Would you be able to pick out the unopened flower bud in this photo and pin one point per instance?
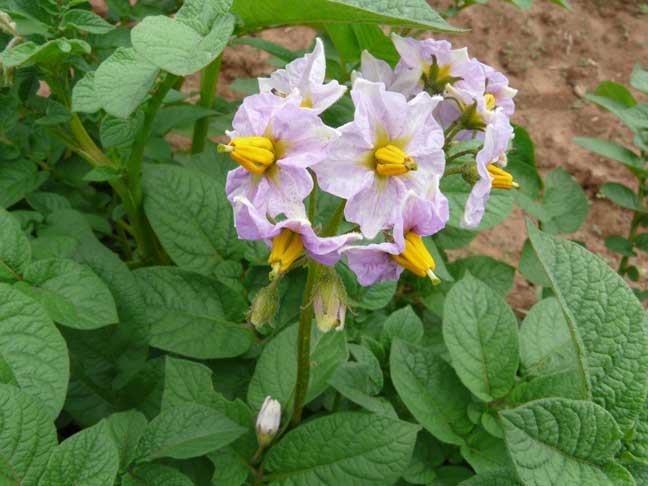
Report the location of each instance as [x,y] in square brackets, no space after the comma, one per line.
[264,305]
[268,421]
[330,302]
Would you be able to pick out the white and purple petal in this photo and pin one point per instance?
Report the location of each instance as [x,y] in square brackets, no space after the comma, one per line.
[374,263]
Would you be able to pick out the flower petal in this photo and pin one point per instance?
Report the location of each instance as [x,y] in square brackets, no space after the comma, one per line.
[373,263]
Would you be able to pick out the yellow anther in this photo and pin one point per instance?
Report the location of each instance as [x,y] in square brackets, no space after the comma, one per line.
[286,248]
[501,178]
[490,101]
[255,154]
[307,103]
[416,258]
[392,161]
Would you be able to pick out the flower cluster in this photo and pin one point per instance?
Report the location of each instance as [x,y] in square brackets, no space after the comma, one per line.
[386,164]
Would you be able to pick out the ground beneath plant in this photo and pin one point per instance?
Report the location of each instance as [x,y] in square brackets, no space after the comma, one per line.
[553,57]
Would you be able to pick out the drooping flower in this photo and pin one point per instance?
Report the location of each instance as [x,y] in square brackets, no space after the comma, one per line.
[305,76]
[498,92]
[380,262]
[288,239]
[268,421]
[274,141]
[329,301]
[498,134]
[391,147]
[435,65]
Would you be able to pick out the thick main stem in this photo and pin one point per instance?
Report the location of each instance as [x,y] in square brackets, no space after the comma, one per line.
[208,82]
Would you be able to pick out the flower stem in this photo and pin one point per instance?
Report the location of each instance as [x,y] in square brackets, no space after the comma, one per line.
[460,154]
[303,344]
[208,82]
[457,169]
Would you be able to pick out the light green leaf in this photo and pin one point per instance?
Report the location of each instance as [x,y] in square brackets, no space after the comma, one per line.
[72,294]
[480,331]
[123,81]
[176,47]
[126,428]
[344,448]
[403,324]
[192,315]
[191,216]
[84,97]
[15,252]
[33,349]
[639,79]
[27,437]
[565,203]
[494,273]
[88,457]
[155,475]
[406,13]
[486,453]
[622,196]
[530,266]
[103,173]
[17,179]
[276,369]
[522,164]
[200,14]
[85,21]
[52,52]
[637,445]
[431,390]
[186,431]
[606,321]
[119,132]
[612,151]
[562,442]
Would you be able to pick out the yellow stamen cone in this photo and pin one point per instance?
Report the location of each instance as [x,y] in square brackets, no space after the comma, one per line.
[392,161]
[255,154]
[490,101]
[416,258]
[501,178]
[286,248]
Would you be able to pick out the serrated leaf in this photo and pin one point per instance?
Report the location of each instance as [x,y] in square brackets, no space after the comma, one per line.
[15,252]
[155,475]
[562,442]
[191,216]
[72,294]
[17,179]
[176,47]
[349,448]
[85,21]
[605,319]
[84,97]
[276,369]
[88,457]
[126,428]
[27,437]
[431,391]
[186,431]
[192,315]
[123,81]
[480,331]
[33,349]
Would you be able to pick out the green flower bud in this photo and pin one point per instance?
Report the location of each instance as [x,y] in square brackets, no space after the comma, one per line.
[265,305]
[330,301]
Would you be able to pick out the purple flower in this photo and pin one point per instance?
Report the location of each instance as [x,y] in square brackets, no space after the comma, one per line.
[391,147]
[498,92]
[289,238]
[305,77]
[274,141]
[496,140]
[380,262]
[402,80]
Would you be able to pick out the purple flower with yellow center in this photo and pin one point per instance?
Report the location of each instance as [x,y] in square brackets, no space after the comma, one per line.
[391,147]
[488,169]
[379,262]
[305,76]
[434,65]
[274,141]
[498,92]
[288,239]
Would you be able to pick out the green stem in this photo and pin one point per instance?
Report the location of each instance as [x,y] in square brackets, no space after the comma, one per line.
[460,154]
[457,169]
[303,345]
[332,226]
[208,82]
[634,228]
[312,200]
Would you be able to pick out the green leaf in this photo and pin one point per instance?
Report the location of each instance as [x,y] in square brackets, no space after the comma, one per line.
[15,252]
[612,151]
[637,445]
[72,294]
[102,173]
[155,475]
[84,97]
[88,457]
[639,79]
[186,431]
[403,324]
[192,315]
[191,216]
[642,242]
[431,391]
[176,47]
[605,319]
[522,164]
[428,455]
[343,448]
[119,132]
[17,179]
[200,14]
[494,273]
[493,478]
[560,441]
[52,52]
[33,349]
[375,296]
[229,470]
[480,331]
[85,21]
[530,266]
[565,203]
[126,428]
[27,437]
[618,244]
[485,453]
[616,92]
[406,13]
[276,369]
[621,196]
[123,81]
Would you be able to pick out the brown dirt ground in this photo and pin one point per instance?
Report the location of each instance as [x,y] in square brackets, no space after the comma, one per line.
[553,57]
